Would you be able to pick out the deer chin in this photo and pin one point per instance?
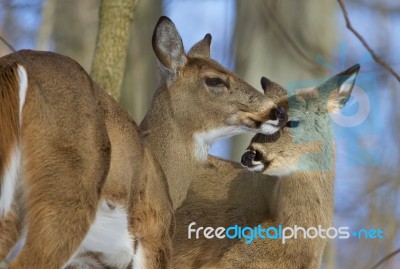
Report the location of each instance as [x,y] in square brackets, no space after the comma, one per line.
[280,172]
[255,166]
[258,124]
[204,139]
[277,169]
[270,165]
[269,127]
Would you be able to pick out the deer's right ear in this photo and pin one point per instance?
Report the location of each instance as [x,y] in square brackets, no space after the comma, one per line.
[337,90]
[167,44]
[202,48]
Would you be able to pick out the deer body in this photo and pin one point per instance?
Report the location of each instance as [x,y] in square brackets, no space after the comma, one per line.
[225,194]
[61,186]
[198,102]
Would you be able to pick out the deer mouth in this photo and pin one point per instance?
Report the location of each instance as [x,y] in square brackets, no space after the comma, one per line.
[275,120]
[253,161]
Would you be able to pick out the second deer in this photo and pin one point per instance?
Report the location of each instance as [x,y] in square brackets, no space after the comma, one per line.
[295,188]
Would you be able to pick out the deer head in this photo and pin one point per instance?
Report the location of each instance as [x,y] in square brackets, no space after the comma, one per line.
[203,99]
[305,143]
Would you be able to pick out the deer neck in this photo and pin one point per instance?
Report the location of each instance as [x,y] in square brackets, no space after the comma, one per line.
[304,199]
[175,148]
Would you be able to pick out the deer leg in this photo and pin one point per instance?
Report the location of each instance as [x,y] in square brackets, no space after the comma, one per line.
[153,224]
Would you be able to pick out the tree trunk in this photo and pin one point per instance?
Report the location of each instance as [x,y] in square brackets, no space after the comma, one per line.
[141,72]
[281,40]
[46,26]
[112,43]
[74,30]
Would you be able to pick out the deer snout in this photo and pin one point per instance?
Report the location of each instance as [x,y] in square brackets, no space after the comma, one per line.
[278,115]
[248,158]
[252,160]
[277,118]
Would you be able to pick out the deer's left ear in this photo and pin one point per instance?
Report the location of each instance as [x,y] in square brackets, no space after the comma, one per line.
[337,90]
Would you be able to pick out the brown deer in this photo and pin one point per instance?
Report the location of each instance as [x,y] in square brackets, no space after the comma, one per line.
[198,102]
[290,182]
[64,192]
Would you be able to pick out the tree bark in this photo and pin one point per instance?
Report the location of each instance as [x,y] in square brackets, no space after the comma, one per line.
[75,29]
[279,46]
[141,72]
[46,26]
[112,42]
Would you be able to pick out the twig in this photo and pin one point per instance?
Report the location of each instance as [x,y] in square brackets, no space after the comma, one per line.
[288,41]
[365,44]
[24,61]
[384,259]
[7,44]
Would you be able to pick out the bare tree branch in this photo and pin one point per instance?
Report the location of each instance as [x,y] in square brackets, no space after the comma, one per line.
[7,44]
[386,258]
[365,44]
[268,15]
[378,6]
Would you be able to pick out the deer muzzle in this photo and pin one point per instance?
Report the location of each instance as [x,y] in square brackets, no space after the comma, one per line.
[252,160]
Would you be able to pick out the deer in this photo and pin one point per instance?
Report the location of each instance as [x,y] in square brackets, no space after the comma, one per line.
[285,178]
[198,102]
[193,88]
[76,177]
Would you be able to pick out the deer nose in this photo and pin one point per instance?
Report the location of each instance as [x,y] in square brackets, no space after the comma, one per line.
[281,113]
[248,158]
[278,115]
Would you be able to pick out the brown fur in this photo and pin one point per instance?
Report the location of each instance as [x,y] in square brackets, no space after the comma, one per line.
[185,105]
[9,124]
[69,126]
[224,194]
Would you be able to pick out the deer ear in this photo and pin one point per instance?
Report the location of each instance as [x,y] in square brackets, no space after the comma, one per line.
[202,48]
[272,90]
[167,44]
[337,90]
[265,83]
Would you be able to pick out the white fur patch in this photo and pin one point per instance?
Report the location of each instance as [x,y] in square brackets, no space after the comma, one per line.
[204,140]
[257,166]
[109,235]
[139,261]
[281,171]
[23,87]
[347,85]
[269,127]
[11,174]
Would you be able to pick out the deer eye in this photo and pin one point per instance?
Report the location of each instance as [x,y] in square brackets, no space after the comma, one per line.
[292,124]
[216,82]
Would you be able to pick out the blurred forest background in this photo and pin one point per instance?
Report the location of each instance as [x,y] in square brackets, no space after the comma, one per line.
[290,42]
